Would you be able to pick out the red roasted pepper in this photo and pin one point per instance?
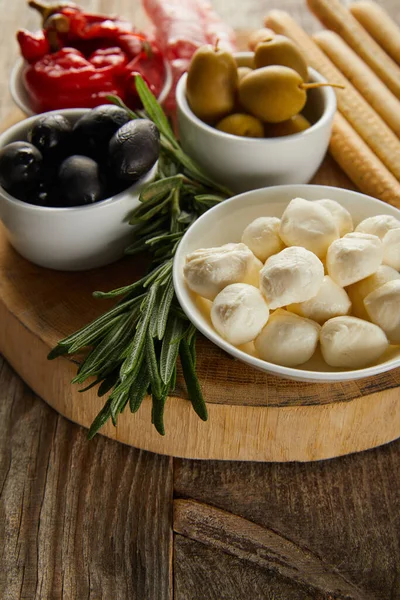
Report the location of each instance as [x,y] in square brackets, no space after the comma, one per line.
[34,45]
[66,79]
[79,58]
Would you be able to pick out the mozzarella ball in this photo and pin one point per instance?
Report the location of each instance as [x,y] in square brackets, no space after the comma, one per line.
[293,275]
[262,237]
[383,308]
[287,339]
[208,270]
[331,301]
[340,215]
[239,313]
[358,291]
[308,224]
[354,257]
[391,249]
[378,225]
[351,343]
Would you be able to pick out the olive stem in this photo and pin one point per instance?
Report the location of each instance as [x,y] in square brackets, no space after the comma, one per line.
[216,45]
[45,10]
[310,86]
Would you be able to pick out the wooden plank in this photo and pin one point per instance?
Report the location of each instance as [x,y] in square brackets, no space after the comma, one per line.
[345,511]
[205,573]
[260,546]
[78,519]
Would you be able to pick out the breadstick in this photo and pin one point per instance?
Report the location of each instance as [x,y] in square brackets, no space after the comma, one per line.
[361,165]
[357,111]
[259,36]
[337,17]
[362,77]
[379,25]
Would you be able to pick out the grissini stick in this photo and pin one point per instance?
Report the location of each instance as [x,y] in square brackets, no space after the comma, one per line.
[362,77]
[379,25]
[361,165]
[334,15]
[259,36]
[351,104]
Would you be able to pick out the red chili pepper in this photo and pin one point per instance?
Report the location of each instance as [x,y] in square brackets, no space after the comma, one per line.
[67,79]
[33,45]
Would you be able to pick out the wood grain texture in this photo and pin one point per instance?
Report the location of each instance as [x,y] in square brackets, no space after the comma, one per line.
[345,511]
[260,546]
[205,573]
[78,519]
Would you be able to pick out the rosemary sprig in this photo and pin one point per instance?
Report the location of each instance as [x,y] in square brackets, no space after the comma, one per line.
[132,349]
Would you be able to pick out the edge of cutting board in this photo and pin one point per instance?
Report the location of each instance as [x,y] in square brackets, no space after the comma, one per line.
[233,432]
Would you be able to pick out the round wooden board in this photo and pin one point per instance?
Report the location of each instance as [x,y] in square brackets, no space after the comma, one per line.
[252,416]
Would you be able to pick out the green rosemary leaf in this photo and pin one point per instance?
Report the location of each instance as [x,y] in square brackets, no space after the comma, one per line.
[172,383]
[146,216]
[209,198]
[87,340]
[108,383]
[100,420]
[139,388]
[57,351]
[96,324]
[158,412]
[151,226]
[170,348]
[161,186]
[120,291]
[152,365]
[192,382]
[138,342]
[192,348]
[154,110]
[165,305]
[116,100]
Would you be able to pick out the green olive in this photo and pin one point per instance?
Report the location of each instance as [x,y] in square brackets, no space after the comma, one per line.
[272,94]
[243,71]
[296,124]
[280,50]
[212,84]
[242,124]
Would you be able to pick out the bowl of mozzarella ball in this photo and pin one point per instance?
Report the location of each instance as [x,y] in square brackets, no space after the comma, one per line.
[301,281]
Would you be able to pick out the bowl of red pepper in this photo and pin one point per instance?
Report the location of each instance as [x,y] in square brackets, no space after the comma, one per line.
[78,59]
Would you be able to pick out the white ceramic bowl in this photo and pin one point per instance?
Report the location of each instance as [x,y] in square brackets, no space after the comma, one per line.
[226,222]
[248,163]
[21,98]
[68,239]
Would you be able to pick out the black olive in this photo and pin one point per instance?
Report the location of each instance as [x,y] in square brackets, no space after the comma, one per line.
[51,134]
[134,149]
[20,165]
[80,181]
[94,129]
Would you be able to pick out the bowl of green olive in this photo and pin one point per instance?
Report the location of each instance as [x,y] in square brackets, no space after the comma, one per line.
[255,119]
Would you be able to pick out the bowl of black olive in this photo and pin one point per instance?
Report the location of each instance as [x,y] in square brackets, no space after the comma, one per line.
[69,180]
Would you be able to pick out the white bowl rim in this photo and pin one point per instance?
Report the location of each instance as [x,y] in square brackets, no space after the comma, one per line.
[20,65]
[286,372]
[66,112]
[325,118]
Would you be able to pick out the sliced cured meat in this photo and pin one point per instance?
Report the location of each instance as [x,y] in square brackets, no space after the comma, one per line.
[179,66]
[215,29]
[180,28]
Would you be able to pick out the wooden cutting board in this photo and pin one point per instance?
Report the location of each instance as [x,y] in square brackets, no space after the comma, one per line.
[252,416]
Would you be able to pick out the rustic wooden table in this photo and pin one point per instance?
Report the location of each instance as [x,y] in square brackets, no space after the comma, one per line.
[101,520]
